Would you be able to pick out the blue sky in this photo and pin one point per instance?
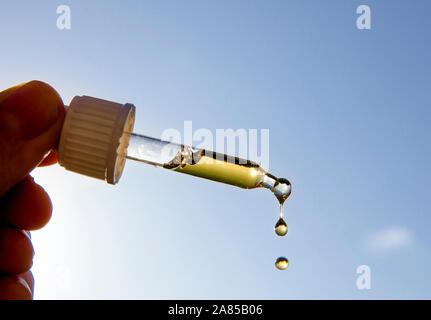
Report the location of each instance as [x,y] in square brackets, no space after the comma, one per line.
[348,112]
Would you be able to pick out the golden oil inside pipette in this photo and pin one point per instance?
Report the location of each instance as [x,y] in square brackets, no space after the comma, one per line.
[228,169]
[218,167]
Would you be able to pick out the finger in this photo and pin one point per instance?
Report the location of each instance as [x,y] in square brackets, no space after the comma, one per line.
[30,122]
[14,288]
[26,206]
[16,251]
[8,92]
[29,279]
[51,158]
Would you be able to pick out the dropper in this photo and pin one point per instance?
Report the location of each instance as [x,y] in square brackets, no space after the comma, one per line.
[97,138]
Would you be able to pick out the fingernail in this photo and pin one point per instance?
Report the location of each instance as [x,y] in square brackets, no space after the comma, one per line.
[29,279]
[30,109]
[28,234]
[29,293]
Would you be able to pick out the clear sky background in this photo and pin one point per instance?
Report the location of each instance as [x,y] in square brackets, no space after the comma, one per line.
[348,112]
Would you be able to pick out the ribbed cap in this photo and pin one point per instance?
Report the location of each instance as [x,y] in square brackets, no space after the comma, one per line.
[95,137]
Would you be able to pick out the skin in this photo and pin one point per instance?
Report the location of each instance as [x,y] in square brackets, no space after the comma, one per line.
[31,116]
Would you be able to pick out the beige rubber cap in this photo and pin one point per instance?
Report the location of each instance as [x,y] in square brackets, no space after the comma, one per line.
[95,137]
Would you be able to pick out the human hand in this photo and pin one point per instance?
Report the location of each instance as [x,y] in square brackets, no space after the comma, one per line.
[31,116]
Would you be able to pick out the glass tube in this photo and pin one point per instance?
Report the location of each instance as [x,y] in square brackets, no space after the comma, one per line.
[205,164]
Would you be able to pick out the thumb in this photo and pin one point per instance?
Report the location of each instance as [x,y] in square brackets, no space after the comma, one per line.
[31,116]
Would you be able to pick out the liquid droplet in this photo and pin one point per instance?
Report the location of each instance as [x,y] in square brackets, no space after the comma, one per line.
[279,186]
[282,263]
[282,190]
[280,228]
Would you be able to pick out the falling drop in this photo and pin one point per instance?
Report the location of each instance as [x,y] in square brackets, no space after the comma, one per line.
[280,228]
[282,189]
[282,263]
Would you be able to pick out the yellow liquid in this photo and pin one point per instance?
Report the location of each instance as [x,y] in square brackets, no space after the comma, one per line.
[227,170]
[280,228]
[282,263]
